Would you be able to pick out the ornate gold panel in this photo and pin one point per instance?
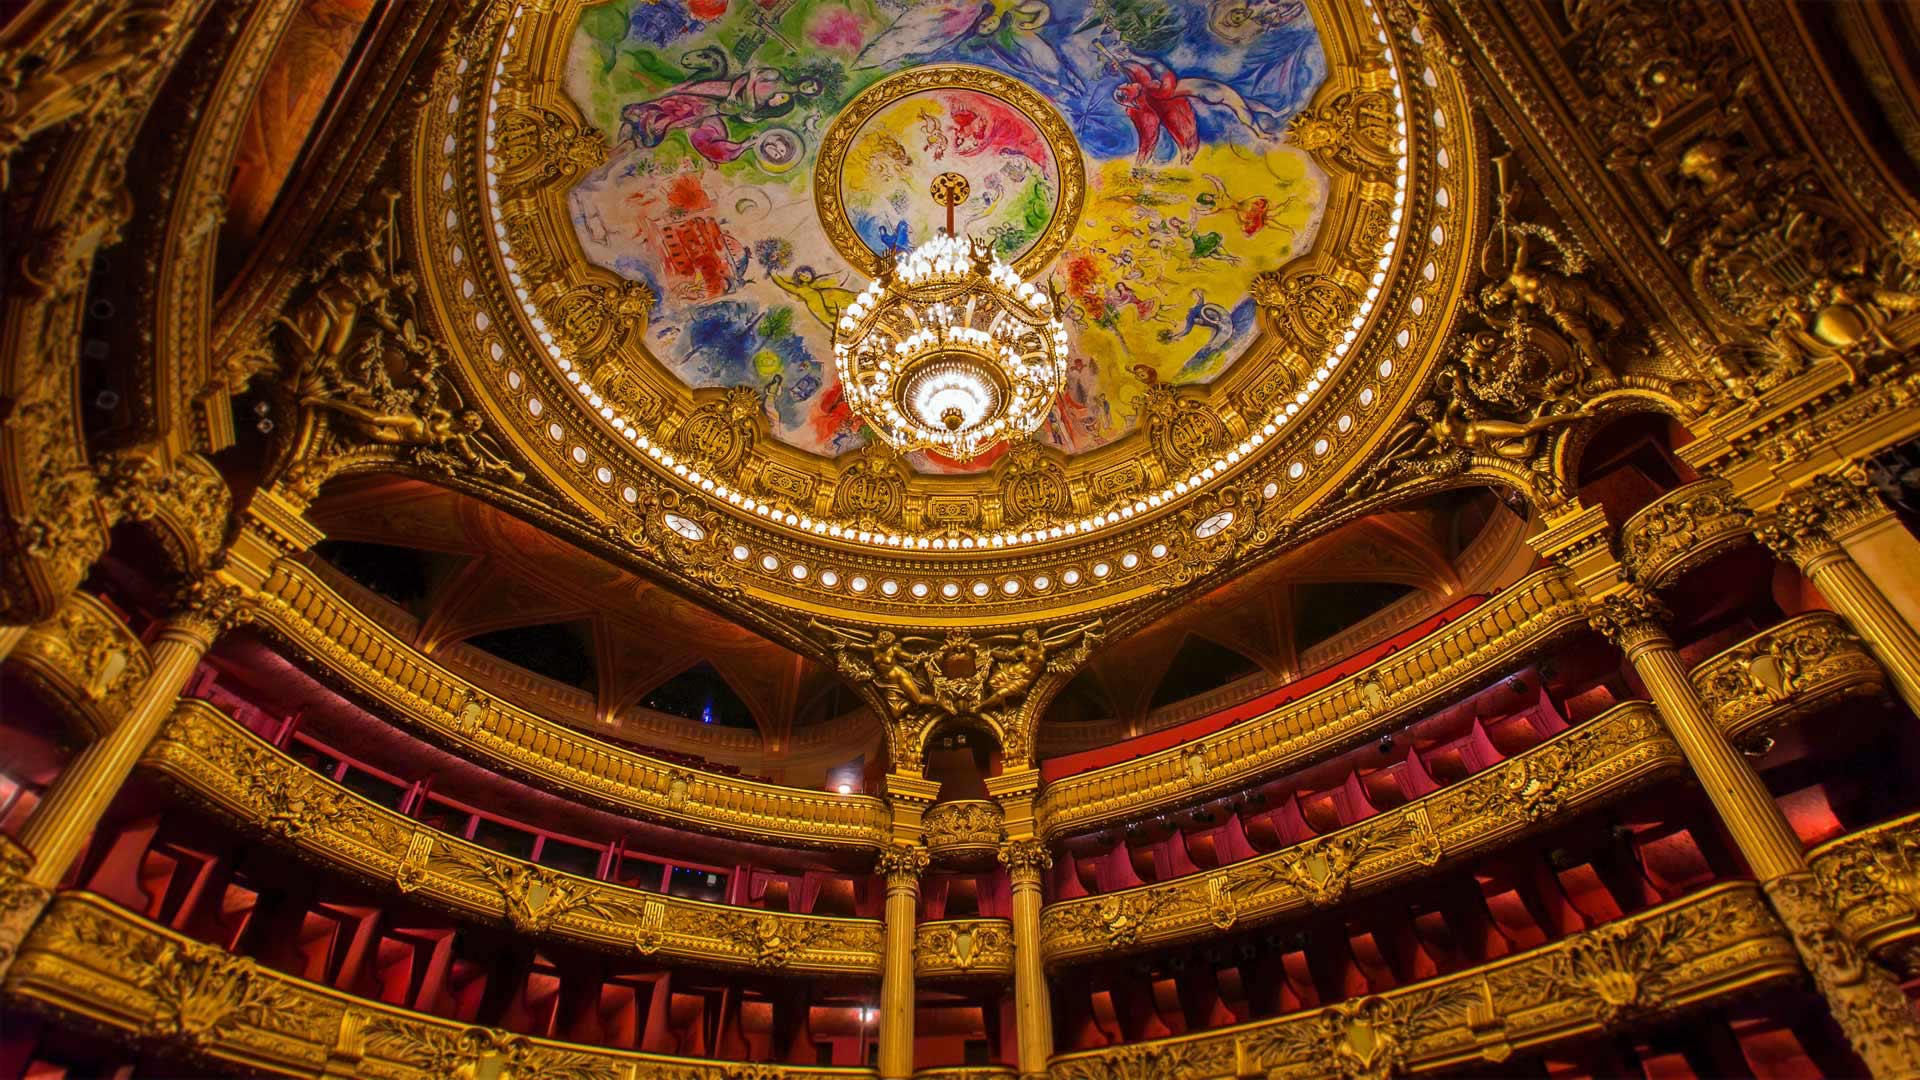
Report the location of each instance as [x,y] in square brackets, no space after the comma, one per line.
[956,947]
[1596,761]
[89,662]
[218,760]
[1801,664]
[95,962]
[1709,946]
[299,607]
[1683,529]
[1873,878]
[1520,620]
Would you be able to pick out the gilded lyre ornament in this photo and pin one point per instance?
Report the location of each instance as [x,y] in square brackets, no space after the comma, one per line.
[347,344]
[717,435]
[921,682]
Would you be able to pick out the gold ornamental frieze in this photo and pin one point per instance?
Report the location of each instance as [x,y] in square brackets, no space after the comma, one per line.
[1519,621]
[86,659]
[552,350]
[1710,946]
[91,961]
[1791,669]
[1682,529]
[411,688]
[1597,761]
[219,761]
[1872,879]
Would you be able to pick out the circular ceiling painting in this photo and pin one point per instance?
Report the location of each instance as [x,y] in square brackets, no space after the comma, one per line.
[1134,149]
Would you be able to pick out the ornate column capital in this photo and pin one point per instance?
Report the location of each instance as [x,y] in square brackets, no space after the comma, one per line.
[1025,860]
[1807,525]
[208,607]
[1864,997]
[901,865]
[1631,617]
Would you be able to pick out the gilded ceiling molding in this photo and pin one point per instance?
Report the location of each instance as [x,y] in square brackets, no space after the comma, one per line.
[411,688]
[80,76]
[1711,946]
[218,761]
[91,961]
[1581,767]
[1005,575]
[1682,529]
[1872,878]
[86,662]
[1515,623]
[1788,671]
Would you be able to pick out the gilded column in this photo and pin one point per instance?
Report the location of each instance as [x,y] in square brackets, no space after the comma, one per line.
[901,865]
[1808,528]
[1026,861]
[1865,999]
[59,826]
[9,637]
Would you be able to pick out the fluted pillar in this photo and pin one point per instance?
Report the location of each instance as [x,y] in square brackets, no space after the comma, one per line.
[901,867]
[1809,527]
[10,636]
[1026,861]
[1864,998]
[56,832]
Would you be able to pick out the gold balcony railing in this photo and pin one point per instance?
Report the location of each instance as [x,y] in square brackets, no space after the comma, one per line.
[1709,946]
[1519,621]
[1598,760]
[1683,529]
[91,961]
[1873,878]
[372,661]
[86,660]
[962,947]
[217,760]
[1792,668]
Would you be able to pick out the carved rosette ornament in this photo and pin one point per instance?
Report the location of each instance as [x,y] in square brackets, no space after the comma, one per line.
[1866,1001]
[1806,526]
[1631,618]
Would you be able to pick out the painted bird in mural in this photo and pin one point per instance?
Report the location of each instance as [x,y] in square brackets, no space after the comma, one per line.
[1009,29]
[823,296]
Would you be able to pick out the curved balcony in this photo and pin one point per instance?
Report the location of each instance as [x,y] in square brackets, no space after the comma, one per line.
[1714,944]
[87,660]
[1874,878]
[1598,760]
[1795,667]
[1497,634]
[1682,529]
[952,948]
[357,652]
[93,961]
[963,832]
[216,759]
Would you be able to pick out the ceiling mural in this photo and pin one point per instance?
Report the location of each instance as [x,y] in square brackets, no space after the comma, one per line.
[761,154]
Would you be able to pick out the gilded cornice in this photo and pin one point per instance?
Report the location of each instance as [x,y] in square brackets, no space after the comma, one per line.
[1682,529]
[1144,542]
[1516,622]
[1872,878]
[1596,761]
[963,947]
[357,652]
[91,961]
[216,759]
[1799,665]
[1705,947]
[87,660]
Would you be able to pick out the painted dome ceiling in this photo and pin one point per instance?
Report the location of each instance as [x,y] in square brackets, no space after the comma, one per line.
[761,154]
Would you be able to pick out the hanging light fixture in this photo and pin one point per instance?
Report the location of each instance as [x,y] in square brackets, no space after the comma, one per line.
[950,350]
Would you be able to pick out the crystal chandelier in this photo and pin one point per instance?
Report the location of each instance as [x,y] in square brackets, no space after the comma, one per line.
[950,350]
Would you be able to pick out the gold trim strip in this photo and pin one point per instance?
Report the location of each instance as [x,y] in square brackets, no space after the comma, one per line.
[90,960]
[1683,529]
[1516,622]
[1786,671]
[218,760]
[300,608]
[1715,943]
[1873,877]
[1598,760]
